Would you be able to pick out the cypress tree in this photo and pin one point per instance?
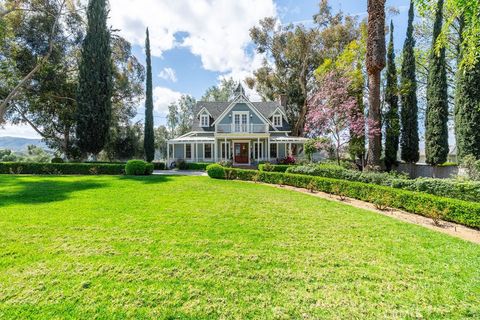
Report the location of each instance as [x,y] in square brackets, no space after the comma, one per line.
[149,138]
[436,119]
[94,105]
[408,88]
[467,115]
[392,119]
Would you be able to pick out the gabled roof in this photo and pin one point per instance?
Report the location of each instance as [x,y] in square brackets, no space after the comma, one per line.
[266,109]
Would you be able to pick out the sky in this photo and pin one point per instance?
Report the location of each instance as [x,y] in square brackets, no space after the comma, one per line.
[196,43]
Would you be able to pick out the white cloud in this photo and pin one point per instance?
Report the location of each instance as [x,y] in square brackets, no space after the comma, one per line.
[22,131]
[163,97]
[168,74]
[215,30]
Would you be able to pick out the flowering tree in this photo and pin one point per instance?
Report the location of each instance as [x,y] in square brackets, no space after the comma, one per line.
[334,112]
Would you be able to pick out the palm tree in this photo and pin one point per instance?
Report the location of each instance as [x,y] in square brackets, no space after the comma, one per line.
[375,63]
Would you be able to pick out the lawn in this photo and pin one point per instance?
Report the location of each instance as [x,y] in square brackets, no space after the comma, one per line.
[198,248]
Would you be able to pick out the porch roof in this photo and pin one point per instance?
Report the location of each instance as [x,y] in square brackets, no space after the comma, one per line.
[188,139]
[288,139]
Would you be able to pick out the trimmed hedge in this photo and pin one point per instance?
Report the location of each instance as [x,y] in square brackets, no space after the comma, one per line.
[462,190]
[216,171]
[274,167]
[138,168]
[202,166]
[61,168]
[458,211]
[159,165]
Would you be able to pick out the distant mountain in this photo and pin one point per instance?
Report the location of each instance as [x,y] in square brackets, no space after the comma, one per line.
[20,144]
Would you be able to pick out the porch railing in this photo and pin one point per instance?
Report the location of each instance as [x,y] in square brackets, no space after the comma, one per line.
[242,128]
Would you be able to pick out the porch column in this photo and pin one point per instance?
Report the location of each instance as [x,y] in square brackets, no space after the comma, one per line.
[215,150]
[168,155]
[268,149]
[225,158]
[289,149]
[258,149]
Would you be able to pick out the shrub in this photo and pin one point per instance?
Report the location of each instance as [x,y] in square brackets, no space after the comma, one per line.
[159,165]
[202,166]
[268,167]
[216,171]
[458,211]
[288,160]
[472,167]
[57,160]
[61,168]
[138,168]
[180,164]
[226,163]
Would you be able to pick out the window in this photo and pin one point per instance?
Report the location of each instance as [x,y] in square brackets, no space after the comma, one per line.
[225,150]
[207,151]
[204,120]
[273,150]
[240,120]
[258,150]
[277,120]
[188,151]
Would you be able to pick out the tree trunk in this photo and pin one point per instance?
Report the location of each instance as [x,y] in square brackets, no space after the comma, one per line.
[374,115]
[299,126]
[375,61]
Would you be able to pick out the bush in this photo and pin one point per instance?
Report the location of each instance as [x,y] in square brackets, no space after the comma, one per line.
[458,211]
[216,171]
[57,160]
[288,160]
[273,167]
[201,166]
[159,165]
[61,168]
[138,168]
[472,167]
[181,164]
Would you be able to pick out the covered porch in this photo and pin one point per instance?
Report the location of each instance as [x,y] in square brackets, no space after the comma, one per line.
[239,150]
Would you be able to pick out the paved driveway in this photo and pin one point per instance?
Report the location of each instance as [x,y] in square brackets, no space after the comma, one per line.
[179,173]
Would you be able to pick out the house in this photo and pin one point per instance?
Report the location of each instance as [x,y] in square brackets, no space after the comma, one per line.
[240,131]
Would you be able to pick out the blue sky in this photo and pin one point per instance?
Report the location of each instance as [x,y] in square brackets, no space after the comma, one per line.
[197,42]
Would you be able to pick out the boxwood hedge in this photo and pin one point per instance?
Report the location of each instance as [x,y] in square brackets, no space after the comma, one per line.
[453,210]
[274,167]
[61,168]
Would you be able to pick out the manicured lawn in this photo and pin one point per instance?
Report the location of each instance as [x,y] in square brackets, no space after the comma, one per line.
[193,247]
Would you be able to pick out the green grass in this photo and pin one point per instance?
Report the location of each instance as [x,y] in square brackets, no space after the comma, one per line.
[194,247]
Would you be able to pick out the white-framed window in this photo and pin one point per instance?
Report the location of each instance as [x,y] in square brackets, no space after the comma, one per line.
[225,150]
[207,151]
[258,150]
[273,150]
[188,151]
[241,121]
[204,120]
[277,120]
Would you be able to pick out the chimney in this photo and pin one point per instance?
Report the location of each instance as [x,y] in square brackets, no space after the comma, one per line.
[283,100]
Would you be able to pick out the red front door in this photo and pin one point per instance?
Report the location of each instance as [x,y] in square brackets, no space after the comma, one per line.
[241,153]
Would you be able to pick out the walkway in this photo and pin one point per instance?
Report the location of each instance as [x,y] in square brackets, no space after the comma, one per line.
[180,173]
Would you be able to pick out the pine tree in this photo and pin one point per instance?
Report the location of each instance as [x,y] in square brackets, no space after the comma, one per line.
[149,139]
[392,120]
[408,88]
[436,119]
[94,105]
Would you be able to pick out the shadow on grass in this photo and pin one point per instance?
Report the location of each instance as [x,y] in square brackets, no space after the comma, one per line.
[42,191]
[147,179]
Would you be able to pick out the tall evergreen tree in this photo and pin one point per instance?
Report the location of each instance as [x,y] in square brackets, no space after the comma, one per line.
[149,140]
[94,96]
[467,110]
[408,88]
[436,119]
[392,119]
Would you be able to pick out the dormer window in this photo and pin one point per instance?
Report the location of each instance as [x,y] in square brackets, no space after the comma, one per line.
[277,120]
[205,120]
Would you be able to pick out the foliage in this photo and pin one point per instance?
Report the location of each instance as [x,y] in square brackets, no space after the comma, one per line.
[138,168]
[458,211]
[226,163]
[467,111]
[180,115]
[274,167]
[159,165]
[61,168]
[472,167]
[392,120]
[293,53]
[436,119]
[94,105]
[289,160]
[161,137]
[149,138]
[216,171]
[181,164]
[125,142]
[57,160]
[199,166]
[408,95]
[225,91]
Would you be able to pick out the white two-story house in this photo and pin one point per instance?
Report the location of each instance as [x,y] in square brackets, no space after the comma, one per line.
[240,131]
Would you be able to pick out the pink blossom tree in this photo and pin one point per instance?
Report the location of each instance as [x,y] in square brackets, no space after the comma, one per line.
[333,112]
